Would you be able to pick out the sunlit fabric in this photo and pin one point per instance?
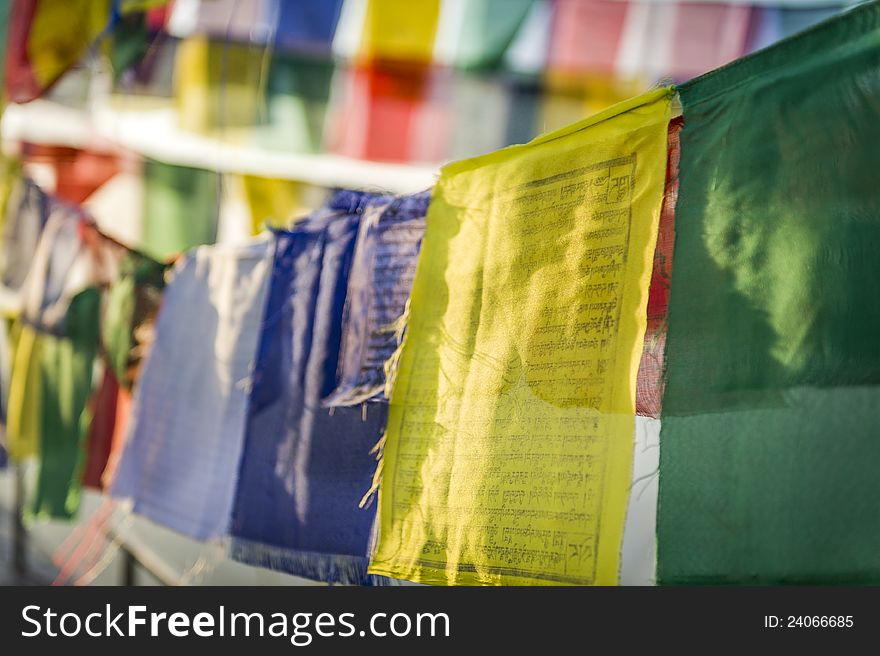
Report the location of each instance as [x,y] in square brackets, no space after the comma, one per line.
[70,257]
[304,468]
[769,440]
[61,301]
[306,26]
[386,254]
[187,421]
[380,116]
[297,97]
[586,34]
[475,34]
[180,208]
[25,394]
[511,420]
[235,20]
[272,202]
[78,173]
[400,30]
[45,38]
[219,86]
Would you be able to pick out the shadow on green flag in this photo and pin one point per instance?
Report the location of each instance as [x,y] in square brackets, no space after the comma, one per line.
[769,441]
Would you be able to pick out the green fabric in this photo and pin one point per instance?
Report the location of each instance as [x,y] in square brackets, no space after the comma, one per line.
[487,29]
[132,301]
[66,365]
[297,93]
[129,43]
[180,208]
[769,443]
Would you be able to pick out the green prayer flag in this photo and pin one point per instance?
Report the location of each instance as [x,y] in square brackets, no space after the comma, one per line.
[769,440]
[487,29]
[180,208]
[66,364]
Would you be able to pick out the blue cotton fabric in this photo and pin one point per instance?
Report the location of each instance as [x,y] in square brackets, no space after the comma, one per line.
[306,26]
[379,287]
[305,468]
[189,408]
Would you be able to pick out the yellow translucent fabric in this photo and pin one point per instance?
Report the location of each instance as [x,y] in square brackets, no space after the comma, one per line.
[219,86]
[25,394]
[509,446]
[400,29]
[61,32]
[273,202]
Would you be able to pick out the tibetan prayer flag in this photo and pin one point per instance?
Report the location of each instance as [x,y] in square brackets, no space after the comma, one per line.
[586,35]
[28,211]
[25,394]
[45,38]
[769,444]
[104,404]
[62,301]
[379,285]
[649,387]
[66,363]
[297,94]
[117,441]
[234,20]
[180,208]
[400,30]
[187,420]
[273,202]
[304,468]
[511,424]
[475,34]
[380,116]
[133,300]
[480,107]
[219,86]
[77,173]
[306,26]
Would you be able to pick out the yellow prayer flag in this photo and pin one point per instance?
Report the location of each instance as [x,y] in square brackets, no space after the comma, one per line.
[219,86]
[25,395]
[400,29]
[60,34]
[273,202]
[510,434]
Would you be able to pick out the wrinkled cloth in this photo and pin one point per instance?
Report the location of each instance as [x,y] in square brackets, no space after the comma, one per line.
[46,38]
[386,254]
[304,468]
[769,444]
[649,385]
[70,257]
[65,371]
[28,211]
[133,300]
[187,421]
[508,452]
